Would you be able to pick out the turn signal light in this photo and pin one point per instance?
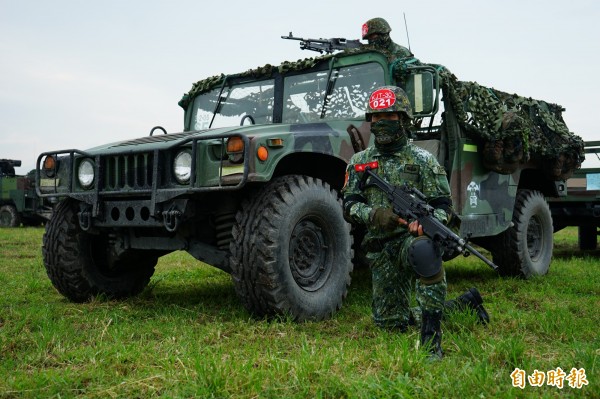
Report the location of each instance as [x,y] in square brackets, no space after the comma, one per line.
[262,153]
[49,165]
[275,143]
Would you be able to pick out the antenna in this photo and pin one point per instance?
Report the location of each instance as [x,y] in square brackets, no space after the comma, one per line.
[406,26]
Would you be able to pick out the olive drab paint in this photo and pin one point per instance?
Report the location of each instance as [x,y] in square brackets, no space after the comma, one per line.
[19,202]
[488,146]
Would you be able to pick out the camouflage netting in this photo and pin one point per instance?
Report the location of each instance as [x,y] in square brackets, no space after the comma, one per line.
[266,71]
[512,129]
[201,87]
[515,129]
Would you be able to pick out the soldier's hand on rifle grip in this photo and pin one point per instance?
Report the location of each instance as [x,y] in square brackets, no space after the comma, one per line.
[415,228]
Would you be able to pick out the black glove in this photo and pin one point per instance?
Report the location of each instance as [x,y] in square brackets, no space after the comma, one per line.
[384,219]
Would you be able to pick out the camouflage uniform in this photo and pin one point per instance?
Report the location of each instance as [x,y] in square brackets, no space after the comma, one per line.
[393,277]
[381,27]
[397,252]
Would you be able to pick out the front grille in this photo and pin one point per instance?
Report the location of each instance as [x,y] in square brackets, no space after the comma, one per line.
[131,171]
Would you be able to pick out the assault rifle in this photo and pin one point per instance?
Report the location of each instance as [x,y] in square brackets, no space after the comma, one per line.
[324,45]
[410,204]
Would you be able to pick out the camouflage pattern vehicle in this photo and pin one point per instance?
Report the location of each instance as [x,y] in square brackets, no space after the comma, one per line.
[19,202]
[252,186]
[580,204]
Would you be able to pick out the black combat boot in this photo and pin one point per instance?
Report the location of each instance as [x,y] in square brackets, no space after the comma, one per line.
[469,300]
[431,334]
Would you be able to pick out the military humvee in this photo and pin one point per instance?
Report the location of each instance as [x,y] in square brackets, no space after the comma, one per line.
[251,186]
[580,206]
[19,202]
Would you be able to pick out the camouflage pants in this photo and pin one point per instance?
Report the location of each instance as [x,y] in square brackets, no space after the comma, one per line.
[393,283]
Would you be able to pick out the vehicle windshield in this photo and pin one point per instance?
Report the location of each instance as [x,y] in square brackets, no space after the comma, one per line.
[308,97]
[254,99]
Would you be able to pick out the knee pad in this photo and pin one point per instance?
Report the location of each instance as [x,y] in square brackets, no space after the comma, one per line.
[425,257]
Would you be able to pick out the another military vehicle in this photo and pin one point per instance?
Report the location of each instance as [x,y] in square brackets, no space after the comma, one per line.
[19,202]
[581,205]
[251,186]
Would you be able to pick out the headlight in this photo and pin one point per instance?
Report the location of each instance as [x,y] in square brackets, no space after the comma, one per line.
[182,167]
[85,173]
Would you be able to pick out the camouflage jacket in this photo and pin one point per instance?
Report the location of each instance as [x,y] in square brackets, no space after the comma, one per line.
[399,51]
[411,165]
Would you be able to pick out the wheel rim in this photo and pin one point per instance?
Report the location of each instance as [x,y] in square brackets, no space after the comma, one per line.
[309,257]
[535,238]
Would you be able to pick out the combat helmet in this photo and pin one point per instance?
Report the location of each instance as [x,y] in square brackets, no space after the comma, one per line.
[375,25]
[388,99]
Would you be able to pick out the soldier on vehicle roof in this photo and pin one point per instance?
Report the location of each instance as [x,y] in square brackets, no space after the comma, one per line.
[397,249]
[377,32]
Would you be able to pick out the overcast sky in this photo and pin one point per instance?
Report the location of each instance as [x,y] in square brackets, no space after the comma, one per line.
[76,74]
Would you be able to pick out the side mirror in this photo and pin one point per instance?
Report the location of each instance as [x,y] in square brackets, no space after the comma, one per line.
[422,93]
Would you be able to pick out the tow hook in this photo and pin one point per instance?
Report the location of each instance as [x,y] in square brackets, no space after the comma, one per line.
[171,219]
[85,219]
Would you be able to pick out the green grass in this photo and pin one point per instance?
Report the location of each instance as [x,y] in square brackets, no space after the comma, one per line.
[188,336]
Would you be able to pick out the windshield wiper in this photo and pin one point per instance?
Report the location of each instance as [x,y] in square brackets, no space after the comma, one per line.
[219,101]
[329,88]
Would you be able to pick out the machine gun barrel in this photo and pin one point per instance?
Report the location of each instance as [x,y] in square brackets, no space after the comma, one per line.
[11,162]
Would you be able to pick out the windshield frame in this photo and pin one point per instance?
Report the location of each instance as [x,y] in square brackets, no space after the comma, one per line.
[326,65]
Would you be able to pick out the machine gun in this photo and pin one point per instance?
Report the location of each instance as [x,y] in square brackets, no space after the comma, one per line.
[7,166]
[325,45]
[410,204]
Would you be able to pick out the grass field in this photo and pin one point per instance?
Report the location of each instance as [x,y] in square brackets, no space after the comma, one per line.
[187,336]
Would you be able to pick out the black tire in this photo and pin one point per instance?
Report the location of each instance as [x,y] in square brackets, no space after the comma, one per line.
[525,249]
[9,217]
[587,238]
[277,267]
[80,265]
